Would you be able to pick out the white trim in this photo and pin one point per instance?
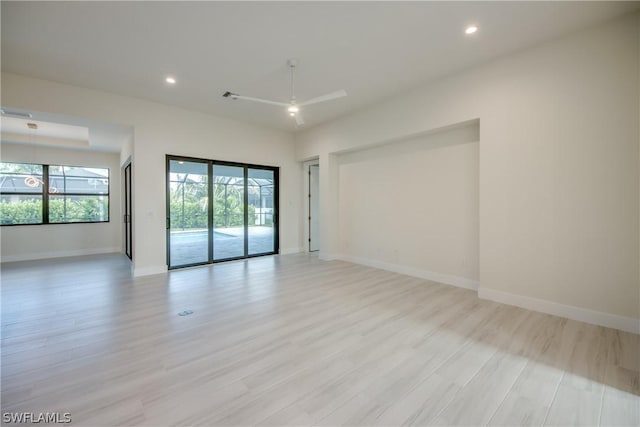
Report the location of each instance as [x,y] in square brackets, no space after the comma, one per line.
[58,254]
[593,317]
[148,271]
[447,279]
[288,251]
[586,315]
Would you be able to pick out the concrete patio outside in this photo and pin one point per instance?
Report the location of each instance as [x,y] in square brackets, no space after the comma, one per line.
[190,246]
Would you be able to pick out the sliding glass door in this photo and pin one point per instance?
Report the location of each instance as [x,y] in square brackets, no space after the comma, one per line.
[228,212]
[261,206]
[188,209]
[219,211]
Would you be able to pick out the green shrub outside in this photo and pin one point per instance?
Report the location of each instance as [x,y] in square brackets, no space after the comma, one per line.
[25,212]
[30,211]
[228,207]
[195,214]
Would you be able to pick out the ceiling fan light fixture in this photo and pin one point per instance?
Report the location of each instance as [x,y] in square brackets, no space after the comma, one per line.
[293,107]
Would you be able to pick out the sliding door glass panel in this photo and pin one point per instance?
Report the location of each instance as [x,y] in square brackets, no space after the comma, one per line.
[228,212]
[188,213]
[261,190]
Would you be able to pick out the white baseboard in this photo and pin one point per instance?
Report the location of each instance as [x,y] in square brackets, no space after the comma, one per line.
[58,254]
[447,279]
[148,271]
[599,318]
[593,317]
[289,251]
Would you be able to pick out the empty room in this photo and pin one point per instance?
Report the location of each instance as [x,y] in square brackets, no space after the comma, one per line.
[320,213]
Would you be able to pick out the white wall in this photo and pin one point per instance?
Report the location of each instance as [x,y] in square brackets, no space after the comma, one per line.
[412,206]
[55,240]
[559,186]
[160,130]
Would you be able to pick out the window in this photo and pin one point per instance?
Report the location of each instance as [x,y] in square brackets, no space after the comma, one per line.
[21,193]
[78,194]
[52,194]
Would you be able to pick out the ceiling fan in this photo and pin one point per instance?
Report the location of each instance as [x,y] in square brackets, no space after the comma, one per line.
[293,106]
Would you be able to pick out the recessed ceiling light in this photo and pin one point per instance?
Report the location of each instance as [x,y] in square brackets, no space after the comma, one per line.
[170,80]
[471,29]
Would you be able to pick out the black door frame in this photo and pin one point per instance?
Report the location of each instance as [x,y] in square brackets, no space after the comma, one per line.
[246,167]
[128,219]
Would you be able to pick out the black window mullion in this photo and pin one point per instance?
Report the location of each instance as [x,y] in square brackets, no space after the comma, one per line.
[45,194]
[168,209]
[79,194]
[246,211]
[276,210]
[210,206]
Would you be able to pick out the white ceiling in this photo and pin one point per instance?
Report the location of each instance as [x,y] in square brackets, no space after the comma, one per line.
[64,131]
[373,50]
[20,126]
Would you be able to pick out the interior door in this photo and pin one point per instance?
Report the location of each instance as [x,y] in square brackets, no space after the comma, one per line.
[128,220]
[188,207]
[314,204]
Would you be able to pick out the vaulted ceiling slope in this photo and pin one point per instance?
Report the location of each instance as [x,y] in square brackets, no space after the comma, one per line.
[373,50]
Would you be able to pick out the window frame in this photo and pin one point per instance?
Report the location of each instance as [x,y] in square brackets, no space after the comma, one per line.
[46,195]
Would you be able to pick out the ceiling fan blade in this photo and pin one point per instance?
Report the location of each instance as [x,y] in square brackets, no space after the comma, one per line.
[249,98]
[299,119]
[327,97]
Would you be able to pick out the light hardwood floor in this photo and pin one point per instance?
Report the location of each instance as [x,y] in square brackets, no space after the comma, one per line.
[291,340]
